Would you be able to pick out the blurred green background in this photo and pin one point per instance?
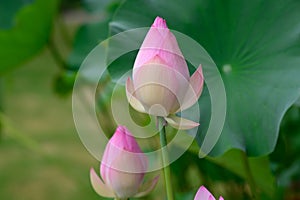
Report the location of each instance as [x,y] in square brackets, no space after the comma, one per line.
[42,44]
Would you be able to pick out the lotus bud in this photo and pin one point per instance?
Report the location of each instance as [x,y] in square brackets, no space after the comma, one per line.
[122,169]
[161,84]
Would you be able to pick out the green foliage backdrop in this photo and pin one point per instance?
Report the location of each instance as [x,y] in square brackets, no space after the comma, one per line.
[255,45]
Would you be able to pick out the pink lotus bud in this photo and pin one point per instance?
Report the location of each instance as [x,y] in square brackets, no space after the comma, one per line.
[161,83]
[123,167]
[204,194]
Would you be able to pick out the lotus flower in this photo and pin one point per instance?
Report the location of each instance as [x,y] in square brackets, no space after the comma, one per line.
[161,84]
[204,194]
[123,168]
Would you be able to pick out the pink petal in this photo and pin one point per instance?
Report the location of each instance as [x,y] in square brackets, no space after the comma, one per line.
[203,194]
[159,41]
[123,140]
[221,198]
[195,89]
[123,164]
[122,147]
[99,186]
[125,173]
[197,81]
[159,23]
[134,102]
[124,184]
[156,83]
[180,123]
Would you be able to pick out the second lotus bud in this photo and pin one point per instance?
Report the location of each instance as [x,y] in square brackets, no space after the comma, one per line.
[123,168]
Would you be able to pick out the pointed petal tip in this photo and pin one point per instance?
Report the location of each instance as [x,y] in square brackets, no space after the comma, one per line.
[204,190]
[159,23]
[204,194]
[199,72]
[181,123]
[92,172]
[99,187]
[197,80]
[129,82]
[94,177]
[194,90]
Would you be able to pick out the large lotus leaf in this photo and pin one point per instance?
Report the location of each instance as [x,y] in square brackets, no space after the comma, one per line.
[297,103]
[256,47]
[28,32]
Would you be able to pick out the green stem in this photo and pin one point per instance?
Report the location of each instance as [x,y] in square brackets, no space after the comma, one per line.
[163,142]
[249,175]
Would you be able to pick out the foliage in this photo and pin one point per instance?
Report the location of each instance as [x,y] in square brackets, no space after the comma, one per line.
[256,47]
[250,60]
[25,33]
